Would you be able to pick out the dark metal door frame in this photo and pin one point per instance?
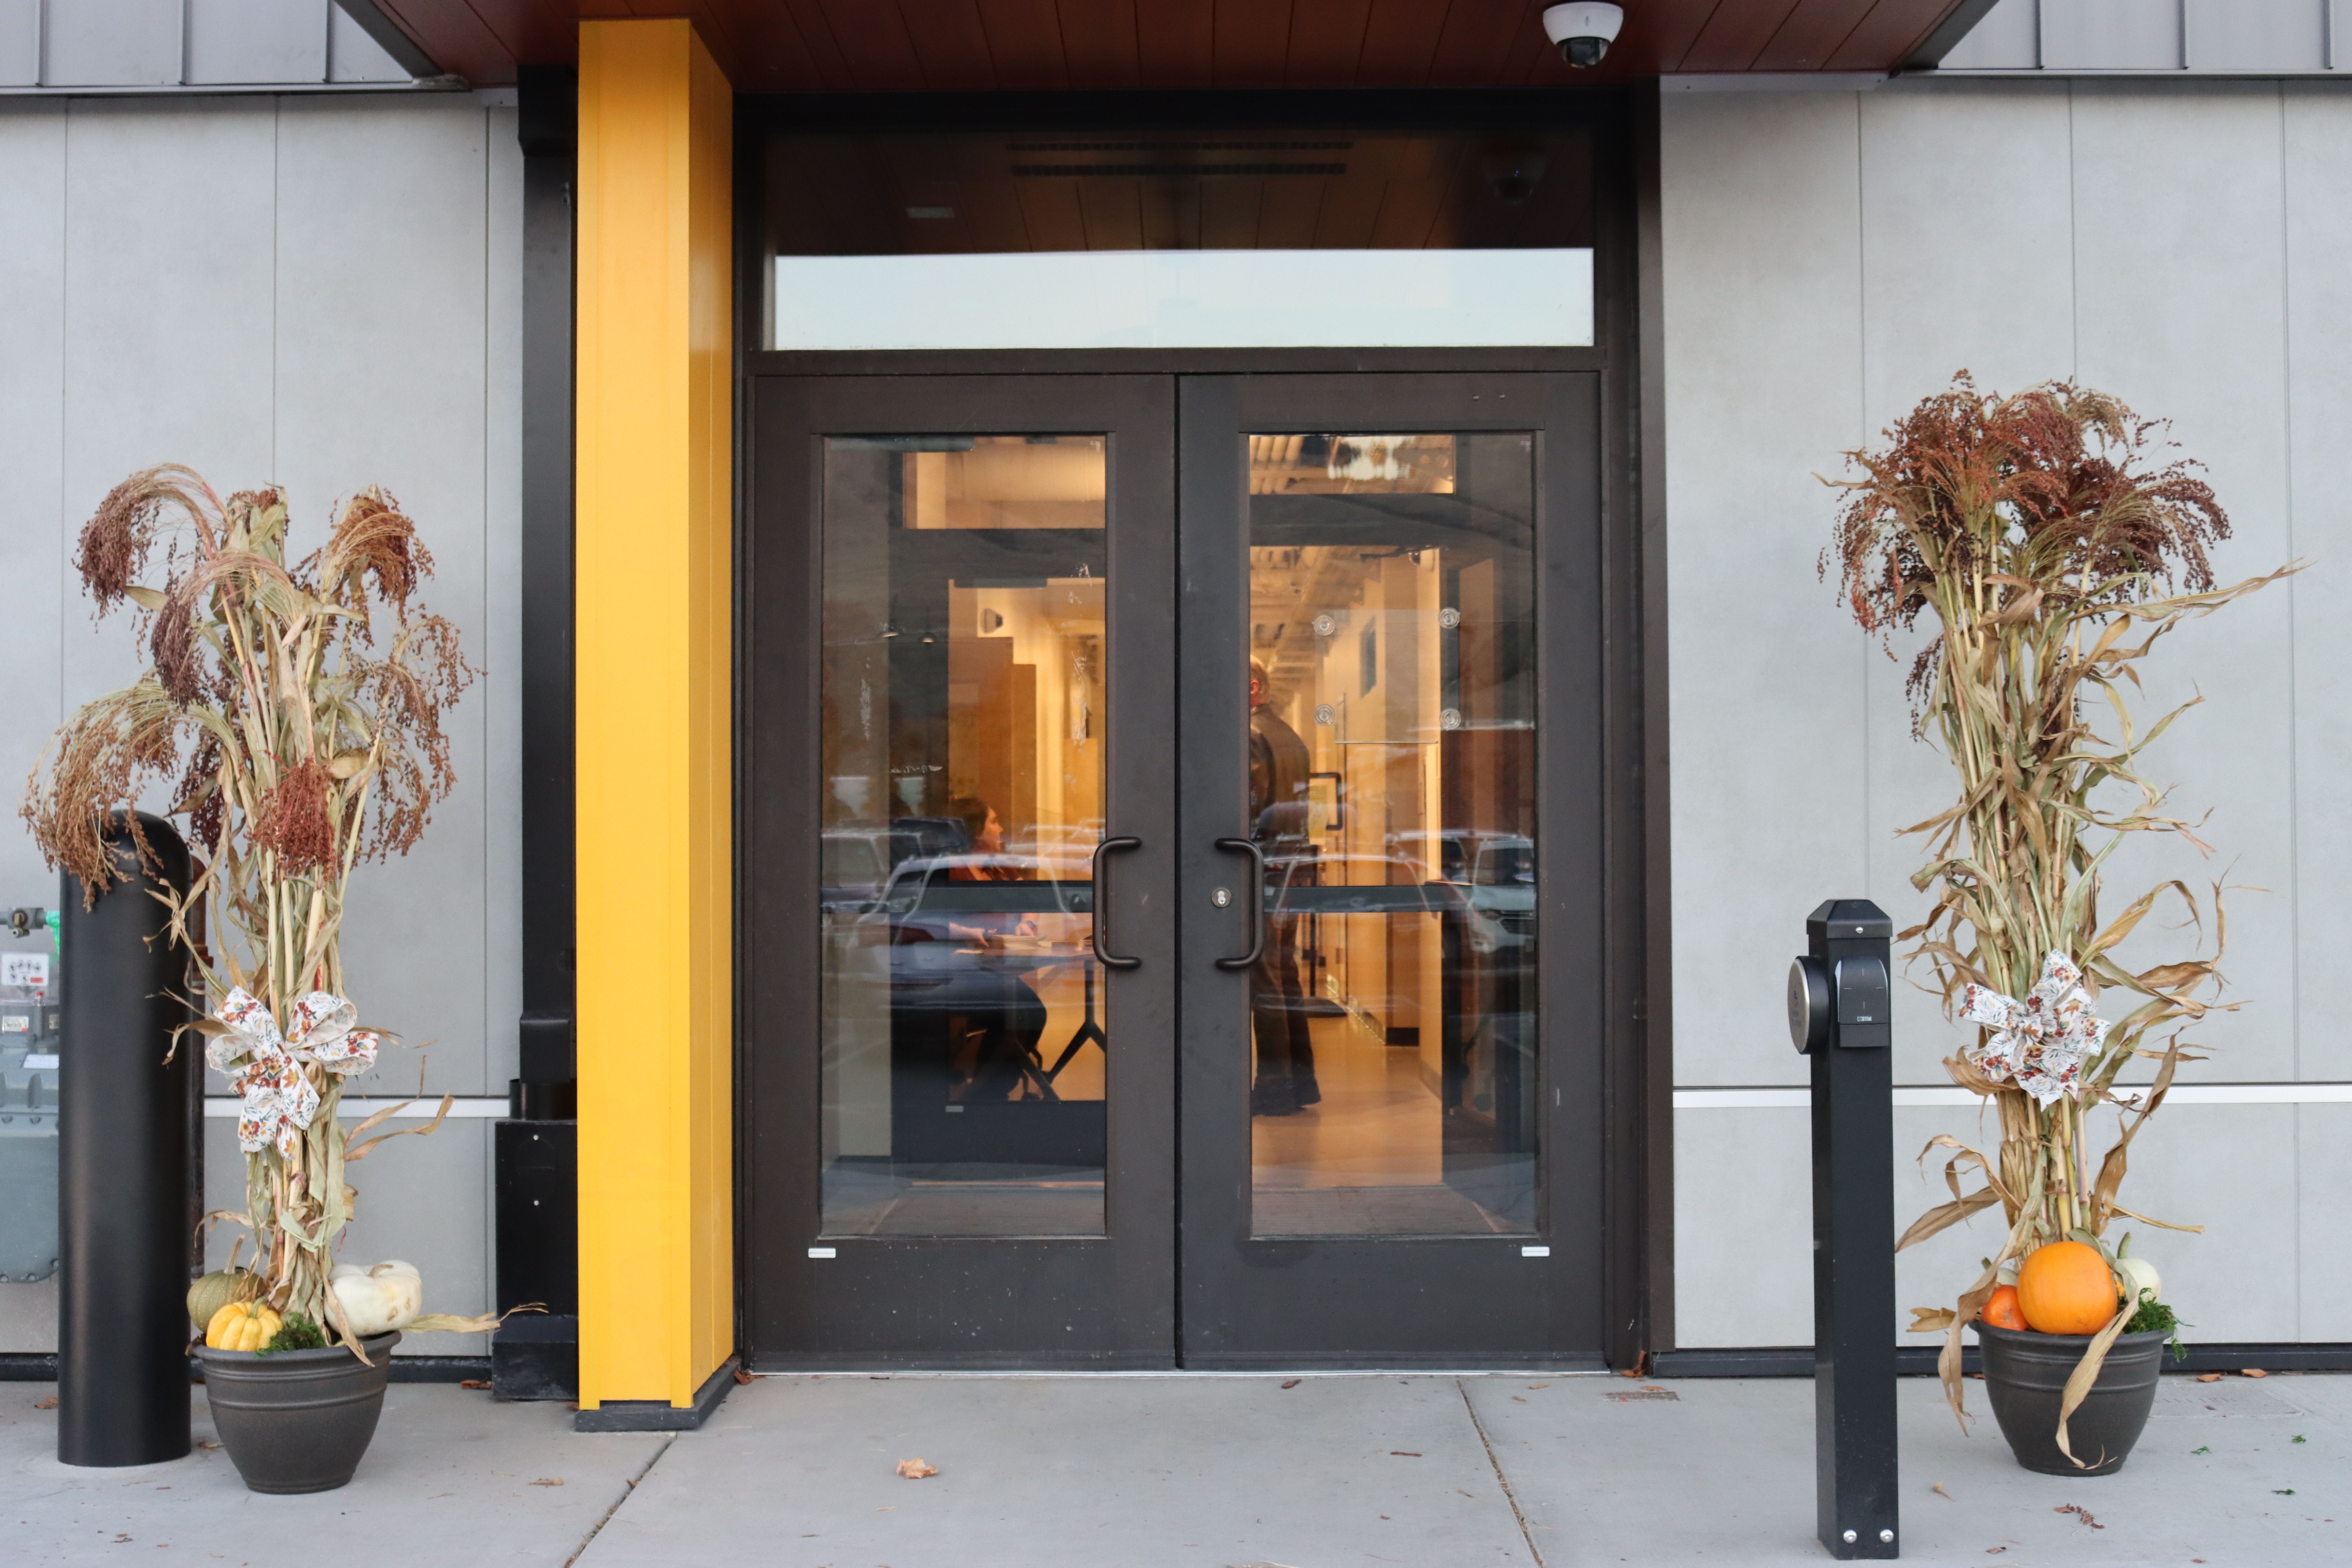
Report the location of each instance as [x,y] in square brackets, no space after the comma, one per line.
[1388,1301]
[1628,356]
[786,1295]
[1105,1302]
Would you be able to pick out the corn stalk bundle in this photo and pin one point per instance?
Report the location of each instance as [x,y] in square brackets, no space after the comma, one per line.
[294,714]
[2052,557]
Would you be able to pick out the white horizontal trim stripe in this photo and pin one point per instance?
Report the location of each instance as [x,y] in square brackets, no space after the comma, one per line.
[482,1106]
[1952,1094]
[1185,299]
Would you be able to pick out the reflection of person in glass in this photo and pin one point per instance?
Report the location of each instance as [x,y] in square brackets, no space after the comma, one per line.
[1000,1007]
[1278,766]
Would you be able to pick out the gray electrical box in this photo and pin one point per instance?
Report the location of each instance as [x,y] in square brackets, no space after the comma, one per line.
[29,1126]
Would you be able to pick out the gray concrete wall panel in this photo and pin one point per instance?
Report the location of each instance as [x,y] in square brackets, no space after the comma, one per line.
[2256,36]
[2319,181]
[2322,1153]
[113,43]
[2180,311]
[2179,245]
[171,308]
[2111,34]
[20,43]
[34,594]
[1763,358]
[2008,39]
[232,41]
[169,43]
[1942,290]
[319,293]
[1743,1206]
[421,1199]
[32,554]
[381,375]
[2223,37]
[1743,1194]
[353,57]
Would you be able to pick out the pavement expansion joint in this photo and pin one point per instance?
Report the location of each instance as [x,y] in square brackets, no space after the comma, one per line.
[625,1493]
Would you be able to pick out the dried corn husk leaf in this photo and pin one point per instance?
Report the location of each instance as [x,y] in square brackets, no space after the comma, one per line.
[2086,1374]
[2051,544]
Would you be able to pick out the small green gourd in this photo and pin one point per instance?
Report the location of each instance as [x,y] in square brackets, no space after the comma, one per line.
[208,1294]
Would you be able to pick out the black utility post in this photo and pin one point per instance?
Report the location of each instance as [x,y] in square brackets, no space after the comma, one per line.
[1838,998]
[122,1164]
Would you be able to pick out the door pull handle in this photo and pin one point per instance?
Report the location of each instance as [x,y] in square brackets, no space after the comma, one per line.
[1101,932]
[1256,902]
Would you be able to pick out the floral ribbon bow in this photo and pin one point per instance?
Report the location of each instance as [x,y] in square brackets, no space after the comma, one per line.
[279,1099]
[2039,1044]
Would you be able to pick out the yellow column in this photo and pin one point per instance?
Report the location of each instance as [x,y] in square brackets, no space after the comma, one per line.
[653,585]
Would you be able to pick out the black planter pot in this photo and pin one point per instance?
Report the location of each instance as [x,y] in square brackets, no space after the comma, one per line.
[296,1421]
[2025,1377]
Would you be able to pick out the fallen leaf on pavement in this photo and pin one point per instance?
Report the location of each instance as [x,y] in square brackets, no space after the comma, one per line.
[2080,1512]
[1539,1386]
[1942,1493]
[548,1481]
[1403,1454]
[473,1382]
[1518,1399]
[2253,1372]
[916,1468]
[741,1376]
[1290,1382]
[2208,1377]
[48,1403]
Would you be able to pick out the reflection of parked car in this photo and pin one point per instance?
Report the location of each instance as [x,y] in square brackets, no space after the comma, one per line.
[1059,851]
[1506,860]
[853,863]
[1354,885]
[858,858]
[1462,854]
[1502,895]
[924,891]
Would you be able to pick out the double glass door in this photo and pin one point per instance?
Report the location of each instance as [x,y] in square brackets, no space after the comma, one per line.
[1172,822]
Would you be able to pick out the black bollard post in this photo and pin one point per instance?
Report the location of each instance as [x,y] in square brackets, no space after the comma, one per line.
[1839,995]
[123,1166]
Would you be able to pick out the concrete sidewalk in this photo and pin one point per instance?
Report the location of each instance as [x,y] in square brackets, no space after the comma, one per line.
[1195,1472]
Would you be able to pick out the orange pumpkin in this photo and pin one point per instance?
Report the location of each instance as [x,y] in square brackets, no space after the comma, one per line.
[2066,1287]
[2003,1311]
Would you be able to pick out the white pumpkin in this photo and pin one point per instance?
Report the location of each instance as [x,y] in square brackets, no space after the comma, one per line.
[2137,1276]
[380,1297]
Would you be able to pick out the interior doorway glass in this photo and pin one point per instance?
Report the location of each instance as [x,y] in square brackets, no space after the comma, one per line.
[963,1058]
[1391,756]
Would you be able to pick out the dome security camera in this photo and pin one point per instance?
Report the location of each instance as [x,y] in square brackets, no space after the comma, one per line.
[1583,30]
